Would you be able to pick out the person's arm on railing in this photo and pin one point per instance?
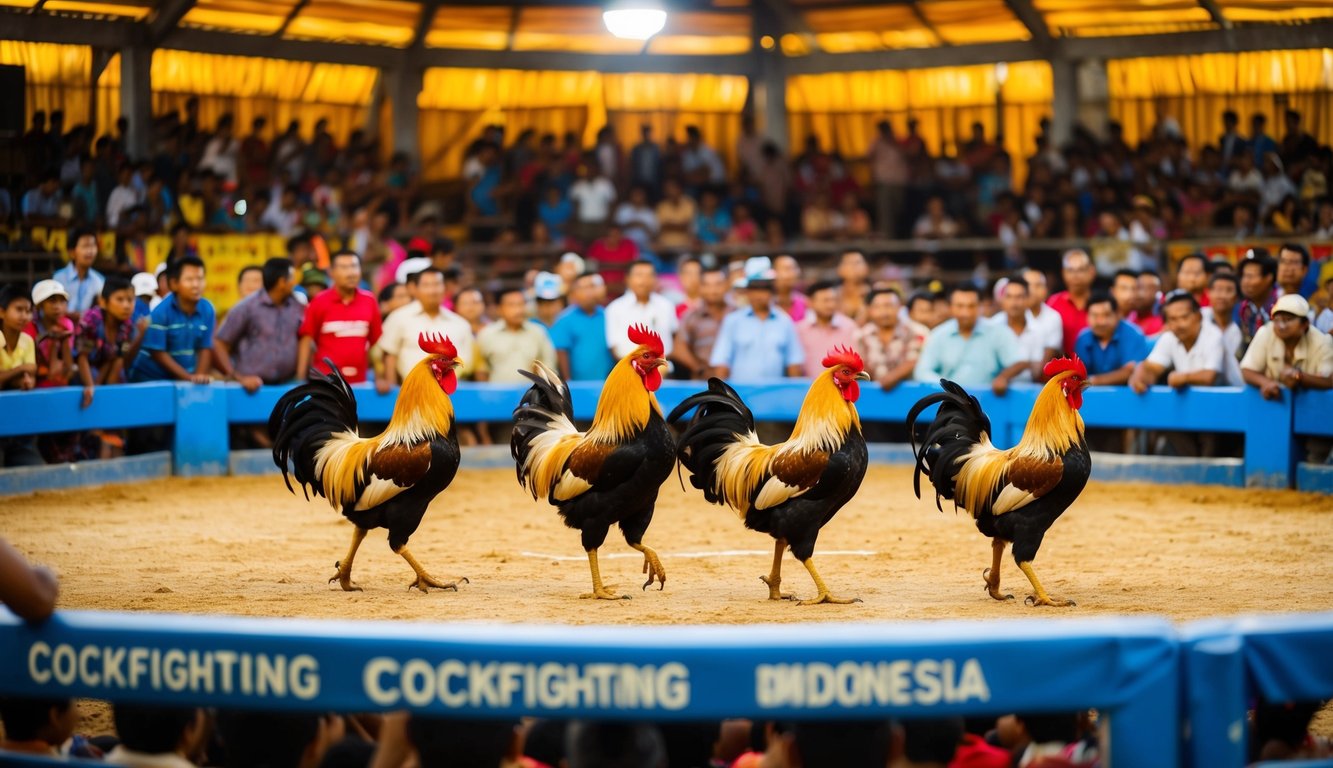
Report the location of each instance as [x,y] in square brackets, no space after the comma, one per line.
[1112,378]
[85,376]
[1270,389]
[17,372]
[169,364]
[1295,378]
[29,591]
[1000,384]
[1200,378]
[222,359]
[1145,375]
[203,369]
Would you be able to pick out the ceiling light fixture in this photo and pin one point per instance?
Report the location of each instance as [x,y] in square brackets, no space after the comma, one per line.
[634,20]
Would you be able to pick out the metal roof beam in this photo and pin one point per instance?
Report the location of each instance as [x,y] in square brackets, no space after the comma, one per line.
[913,58]
[925,22]
[165,17]
[40,27]
[1215,13]
[291,16]
[792,22]
[226,43]
[1032,19]
[724,64]
[1235,40]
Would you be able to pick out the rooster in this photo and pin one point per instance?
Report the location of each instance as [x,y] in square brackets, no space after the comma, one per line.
[386,481]
[610,474]
[790,490]
[1017,494]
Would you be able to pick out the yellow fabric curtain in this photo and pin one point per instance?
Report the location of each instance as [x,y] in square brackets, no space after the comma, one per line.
[841,109]
[1195,90]
[669,103]
[59,77]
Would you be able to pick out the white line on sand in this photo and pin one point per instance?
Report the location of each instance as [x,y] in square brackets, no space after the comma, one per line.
[697,555]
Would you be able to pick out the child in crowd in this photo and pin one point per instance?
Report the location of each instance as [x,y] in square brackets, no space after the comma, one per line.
[18,368]
[108,339]
[52,332]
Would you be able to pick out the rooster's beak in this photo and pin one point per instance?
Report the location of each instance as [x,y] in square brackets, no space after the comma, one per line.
[662,363]
[863,376]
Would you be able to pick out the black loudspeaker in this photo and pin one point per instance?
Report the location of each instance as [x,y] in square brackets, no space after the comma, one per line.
[13,109]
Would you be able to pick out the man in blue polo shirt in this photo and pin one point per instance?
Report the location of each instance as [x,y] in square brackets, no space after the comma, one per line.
[757,343]
[579,333]
[81,281]
[967,352]
[1110,346]
[178,344]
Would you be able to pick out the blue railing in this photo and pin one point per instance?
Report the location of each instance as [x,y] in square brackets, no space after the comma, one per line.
[1173,696]
[201,414]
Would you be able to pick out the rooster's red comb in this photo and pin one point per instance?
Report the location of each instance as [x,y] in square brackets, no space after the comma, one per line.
[1061,364]
[435,344]
[844,356]
[641,334]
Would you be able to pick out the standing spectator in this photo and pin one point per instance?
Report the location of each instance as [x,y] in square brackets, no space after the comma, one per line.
[1110,347]
[645,162]
[254,154]
[637,219]
[1072,303]
[579,334]
[700,325]
[222,152]
[1014,316]
[758,342]
[675,219]
[967,352]
[824,327]
[592,195]
[342,323]
[1041,315]
[82,283]
[1260,142]
[890,344]
[640,305]
[1287,352]
[108,338]
[124,197]
[53,334]
[750,149]
[775,184]
[85,197]
[888,169]
[1293,265]
[1191,351]
[700,162]
[258,338]
[425,315]
[41,204]
[854,273]
[1223,291]
[612,254]
[1297,145]
[1230,142]
[511,343]
[1258,273]
[786,285]
[1147,315]
[179,341]
[1192,276]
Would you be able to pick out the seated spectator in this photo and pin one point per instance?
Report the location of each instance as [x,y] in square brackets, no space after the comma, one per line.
[157,737]
[29,591]
[935,223]
[1293,266]
[18,353]
[511,343]
[1192,352]
[53,334]
[744,229]
[592,194]
[340,324]
[1014,315]
[1110,347]
[888,343]
[712,223]
[178,344]
[425,315]
[757,342]
[819,220]
[641,304]
[675,218]
[700,325]
[579,333]
[856,223]
[824,327]
[37,726]
[1287,352]
[276,739]
[637,219]
[967,352]
[124,197]
[41,204]
[257,341]
[1223,291]
[108,338]
[613,253]
[82,283]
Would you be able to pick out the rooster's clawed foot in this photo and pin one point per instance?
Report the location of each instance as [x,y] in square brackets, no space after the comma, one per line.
[774,593]
[425,581]
[993,586]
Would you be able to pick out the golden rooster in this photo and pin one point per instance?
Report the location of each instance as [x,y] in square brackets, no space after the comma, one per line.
[789,490]
[612,473]
[386,481]
[1017,494]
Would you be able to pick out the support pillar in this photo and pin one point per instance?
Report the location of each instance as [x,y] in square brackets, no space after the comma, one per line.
[768,78]
[136,98]
[372,125]
[404,85]
[1064,105]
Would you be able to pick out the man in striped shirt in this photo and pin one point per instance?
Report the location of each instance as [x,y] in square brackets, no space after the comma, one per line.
[178,344]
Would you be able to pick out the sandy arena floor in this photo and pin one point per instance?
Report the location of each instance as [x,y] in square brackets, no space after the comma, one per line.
[246,546]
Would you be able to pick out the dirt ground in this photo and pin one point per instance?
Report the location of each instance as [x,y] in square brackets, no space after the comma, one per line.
[246,546]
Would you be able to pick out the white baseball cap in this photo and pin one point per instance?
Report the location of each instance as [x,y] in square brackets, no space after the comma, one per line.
[410,267]
[144,284]
[1290,303]
[45,289]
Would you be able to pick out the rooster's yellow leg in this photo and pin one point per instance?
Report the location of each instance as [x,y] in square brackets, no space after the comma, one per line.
[425,581]
[651,566]
[344,566]
[1041,598]
[599,591]
[823,596]
[992,574]
[774,577]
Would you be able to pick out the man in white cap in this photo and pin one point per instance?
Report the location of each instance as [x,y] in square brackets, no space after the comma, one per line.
[1287,352]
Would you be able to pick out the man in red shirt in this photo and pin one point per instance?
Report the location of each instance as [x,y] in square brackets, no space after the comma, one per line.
[343,323]
[1072,303]
[613,254]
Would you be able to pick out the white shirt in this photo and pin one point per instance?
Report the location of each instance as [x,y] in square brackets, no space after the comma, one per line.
[282,222]
[403,325]
[1231,335]
[1267,353]
[122,199]
[659,314]
[1208,353]
[593,198]
[1031,342]
[122,756]
[220,157]
[1324,320]
[627,214]
[1052,329]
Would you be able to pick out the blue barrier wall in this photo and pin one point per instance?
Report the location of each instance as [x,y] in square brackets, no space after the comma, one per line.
[1127,667]
[201,414]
